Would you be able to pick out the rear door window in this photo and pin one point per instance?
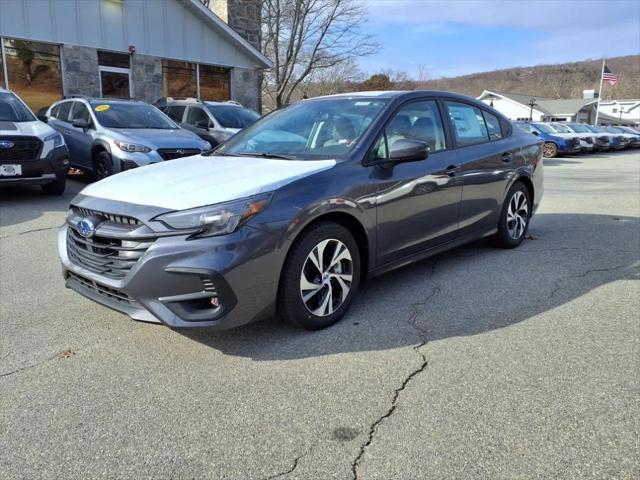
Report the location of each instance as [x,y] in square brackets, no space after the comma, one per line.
[468,124]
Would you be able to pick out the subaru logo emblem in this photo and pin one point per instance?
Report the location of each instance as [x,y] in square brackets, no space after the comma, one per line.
[6,144]
[179,152]
[86,227]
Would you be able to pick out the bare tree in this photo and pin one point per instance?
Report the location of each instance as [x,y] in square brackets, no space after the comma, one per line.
[303,37]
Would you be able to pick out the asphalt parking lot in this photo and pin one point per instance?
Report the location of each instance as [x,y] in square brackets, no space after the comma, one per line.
[478,363]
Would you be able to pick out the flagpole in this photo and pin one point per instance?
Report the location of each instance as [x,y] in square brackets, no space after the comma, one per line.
[599,93]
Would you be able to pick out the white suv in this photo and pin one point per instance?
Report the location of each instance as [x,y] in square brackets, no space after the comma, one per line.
[31,152]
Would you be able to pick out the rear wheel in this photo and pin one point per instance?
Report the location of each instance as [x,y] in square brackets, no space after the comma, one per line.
[56,187]
[514,220]
[320,277]
[102,166]
[550,150]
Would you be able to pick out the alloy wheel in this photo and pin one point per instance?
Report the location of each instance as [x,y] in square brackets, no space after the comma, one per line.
[517,215]
[326,277]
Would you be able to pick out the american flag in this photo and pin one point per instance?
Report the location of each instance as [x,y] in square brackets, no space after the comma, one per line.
[608,75]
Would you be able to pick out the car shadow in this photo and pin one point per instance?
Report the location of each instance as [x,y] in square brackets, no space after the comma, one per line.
[553,162]
[467,291]
[24,203]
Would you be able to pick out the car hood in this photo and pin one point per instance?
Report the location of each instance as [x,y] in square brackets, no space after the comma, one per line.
[32,129]
[197,181]
[160,138]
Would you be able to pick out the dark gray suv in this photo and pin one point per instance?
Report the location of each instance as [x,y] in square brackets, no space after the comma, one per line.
[292,213]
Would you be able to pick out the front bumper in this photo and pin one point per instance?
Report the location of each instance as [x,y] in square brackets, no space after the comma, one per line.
[176,279]
[41,171]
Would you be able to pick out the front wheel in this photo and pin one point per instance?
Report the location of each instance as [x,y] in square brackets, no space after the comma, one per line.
[320,277]
[550,150]
[102,166]
[514,219]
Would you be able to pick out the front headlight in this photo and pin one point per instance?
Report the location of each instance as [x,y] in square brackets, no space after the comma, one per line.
[131,147]
[56,138]
[220,219]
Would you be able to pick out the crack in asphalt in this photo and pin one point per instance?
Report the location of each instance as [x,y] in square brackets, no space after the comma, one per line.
[33,230]
[26,367]
[416,310]
[296,462]
[557,282]
[394,405]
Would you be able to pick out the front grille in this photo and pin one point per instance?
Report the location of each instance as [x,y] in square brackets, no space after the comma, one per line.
[24,148]
[173,153]
[120,219]
[111,257]
[103,290]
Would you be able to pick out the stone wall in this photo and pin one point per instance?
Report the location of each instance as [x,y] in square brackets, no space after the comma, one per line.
[147,77]
[246,88]
[80,67]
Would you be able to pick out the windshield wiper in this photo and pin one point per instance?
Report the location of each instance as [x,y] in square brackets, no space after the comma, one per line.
[267,155]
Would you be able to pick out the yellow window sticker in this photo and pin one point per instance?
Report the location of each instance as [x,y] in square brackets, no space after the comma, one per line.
[101,108]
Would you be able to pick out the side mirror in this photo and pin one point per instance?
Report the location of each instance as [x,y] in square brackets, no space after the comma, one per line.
[405,150]
[42,117]
[80,123]
[203,124]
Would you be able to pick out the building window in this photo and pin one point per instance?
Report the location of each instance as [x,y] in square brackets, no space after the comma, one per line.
[2,84]
[214,83]
[615,110]
[32,71]
[179,79]
[115,74]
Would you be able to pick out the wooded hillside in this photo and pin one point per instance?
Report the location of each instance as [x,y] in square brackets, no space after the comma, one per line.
[566,80]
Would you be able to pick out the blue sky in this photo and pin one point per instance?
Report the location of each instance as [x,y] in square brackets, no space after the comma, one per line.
[457,37]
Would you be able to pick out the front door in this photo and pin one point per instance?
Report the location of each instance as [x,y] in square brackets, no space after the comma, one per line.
[417,202]
[80,141]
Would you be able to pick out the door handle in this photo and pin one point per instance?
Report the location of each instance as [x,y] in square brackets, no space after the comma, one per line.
[506,157]
[451,170]
[67,132]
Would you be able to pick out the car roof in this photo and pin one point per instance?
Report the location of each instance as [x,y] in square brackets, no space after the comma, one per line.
[398,94]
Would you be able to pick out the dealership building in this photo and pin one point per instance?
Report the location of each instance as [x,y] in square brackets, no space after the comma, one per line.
[143,49]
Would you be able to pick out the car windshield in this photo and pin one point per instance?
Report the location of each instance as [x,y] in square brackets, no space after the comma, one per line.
[580,128]
[131,115]
[231,116]
[312,129]
[561,128]
[13,110]
[629,130]
[544,128]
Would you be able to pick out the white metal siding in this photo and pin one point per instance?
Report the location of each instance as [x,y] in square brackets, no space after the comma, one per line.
[513,110]
[163,28]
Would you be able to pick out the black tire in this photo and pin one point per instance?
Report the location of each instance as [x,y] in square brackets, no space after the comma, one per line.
[550,150]
[505,237]
[102,166]
[56,187]
[291,306]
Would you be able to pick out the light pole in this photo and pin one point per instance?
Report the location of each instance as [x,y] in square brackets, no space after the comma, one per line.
[532,102]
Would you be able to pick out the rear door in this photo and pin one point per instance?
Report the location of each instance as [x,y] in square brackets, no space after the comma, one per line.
[487,156]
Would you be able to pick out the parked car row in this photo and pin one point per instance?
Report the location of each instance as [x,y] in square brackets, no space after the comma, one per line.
[105,136]
[572,138]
